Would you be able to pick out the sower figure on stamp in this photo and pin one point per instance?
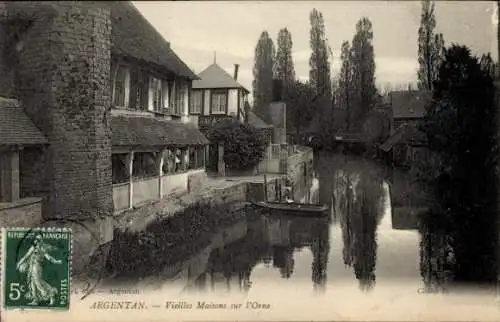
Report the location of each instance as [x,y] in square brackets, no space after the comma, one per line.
[31,264]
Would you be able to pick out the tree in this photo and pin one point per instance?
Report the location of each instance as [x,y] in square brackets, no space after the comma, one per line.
[319,63]
[498,28]
[262,84]
[461,129]
[283,66]
[487,64]
[363,69]
[244,145]
[300,107]
[345,86]
[430,47]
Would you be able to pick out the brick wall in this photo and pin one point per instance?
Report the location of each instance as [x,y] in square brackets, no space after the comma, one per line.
[64,84]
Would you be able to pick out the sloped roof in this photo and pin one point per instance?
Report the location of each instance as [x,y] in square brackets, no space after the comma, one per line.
[215,77]
[256,121]
[409,104]
[132,35]
[15,126]
[406,133]
[149,131]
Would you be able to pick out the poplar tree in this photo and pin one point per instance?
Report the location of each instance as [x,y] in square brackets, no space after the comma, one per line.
[345,80]
[363,71]
[430,47]
[319,73]
[284,69]
[262,85]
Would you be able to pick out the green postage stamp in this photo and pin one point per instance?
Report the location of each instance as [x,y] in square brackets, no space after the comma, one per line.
[36,268]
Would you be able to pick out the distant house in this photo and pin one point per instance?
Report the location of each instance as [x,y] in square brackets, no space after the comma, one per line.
[406,142]
[216,94]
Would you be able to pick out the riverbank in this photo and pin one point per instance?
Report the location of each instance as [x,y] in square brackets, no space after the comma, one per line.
[234,190]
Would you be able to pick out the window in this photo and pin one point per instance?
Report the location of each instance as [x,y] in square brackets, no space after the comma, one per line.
[219,102]
[175,160]
[144,165]
[196,102]
[169,161]
[119,168]
[157,91]
[179,99]
[121,87]
[139,87]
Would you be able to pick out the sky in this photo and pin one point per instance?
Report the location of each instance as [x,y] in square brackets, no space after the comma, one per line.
[230,29]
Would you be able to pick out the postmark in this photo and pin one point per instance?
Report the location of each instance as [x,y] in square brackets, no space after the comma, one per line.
[37,268]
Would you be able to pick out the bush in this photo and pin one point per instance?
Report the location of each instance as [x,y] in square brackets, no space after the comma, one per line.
[244,145]
[167,241]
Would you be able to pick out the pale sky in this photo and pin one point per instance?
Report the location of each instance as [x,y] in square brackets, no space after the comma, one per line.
[197,29]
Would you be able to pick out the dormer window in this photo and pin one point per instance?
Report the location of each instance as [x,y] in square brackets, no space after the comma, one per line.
[219,102]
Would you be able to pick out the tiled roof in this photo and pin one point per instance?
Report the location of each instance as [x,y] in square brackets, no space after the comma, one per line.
[256,121]
[15,126]
[215,77]
[149,131]
[409,104]
[406,133]
[132,35]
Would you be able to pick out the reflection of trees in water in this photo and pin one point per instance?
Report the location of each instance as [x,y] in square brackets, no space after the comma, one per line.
[360,205]
[272,240]
[283,260]
[320,248]
[436,253]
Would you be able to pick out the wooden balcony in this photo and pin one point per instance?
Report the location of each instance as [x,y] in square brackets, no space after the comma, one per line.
[209,120]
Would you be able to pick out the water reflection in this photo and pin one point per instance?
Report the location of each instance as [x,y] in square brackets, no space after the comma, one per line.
[372,236]
[359,207]
[268,240]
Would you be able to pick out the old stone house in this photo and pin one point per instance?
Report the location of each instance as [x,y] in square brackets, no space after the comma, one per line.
[406,142]
[111,98]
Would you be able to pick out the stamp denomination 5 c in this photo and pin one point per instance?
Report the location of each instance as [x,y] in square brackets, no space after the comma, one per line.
[36,268]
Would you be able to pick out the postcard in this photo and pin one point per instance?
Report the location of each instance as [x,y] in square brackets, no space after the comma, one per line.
[249,161]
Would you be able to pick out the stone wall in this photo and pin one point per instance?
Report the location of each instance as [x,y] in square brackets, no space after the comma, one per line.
[25,212]
[137,218]
[65,89]
[62,68]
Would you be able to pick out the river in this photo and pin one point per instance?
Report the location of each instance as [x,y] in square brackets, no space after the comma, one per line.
[369,243]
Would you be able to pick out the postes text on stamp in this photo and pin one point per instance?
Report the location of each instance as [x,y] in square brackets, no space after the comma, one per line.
[36,268]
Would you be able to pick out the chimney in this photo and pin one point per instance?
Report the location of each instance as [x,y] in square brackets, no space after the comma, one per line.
[277,90]
[236,67]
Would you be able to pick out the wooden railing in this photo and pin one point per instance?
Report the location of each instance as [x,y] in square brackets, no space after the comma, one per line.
[207,120]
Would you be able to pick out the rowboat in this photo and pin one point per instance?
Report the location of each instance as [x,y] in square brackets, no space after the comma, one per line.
[295,208]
